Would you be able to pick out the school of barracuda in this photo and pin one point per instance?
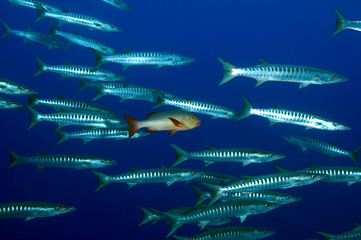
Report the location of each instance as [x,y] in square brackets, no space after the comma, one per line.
[239,198]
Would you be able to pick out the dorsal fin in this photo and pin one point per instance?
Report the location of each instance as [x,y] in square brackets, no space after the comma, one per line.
[280,169]
[133,169]
[246,177]
[263,62]
[210,148]
[333,144]
[276,106]
[60,97]
[189,99]
[42,153]
[311,165]
[66,63]
[149,115]
[126,50]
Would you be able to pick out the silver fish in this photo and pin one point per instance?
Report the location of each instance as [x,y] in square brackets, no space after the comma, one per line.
[318,146]
[88,135]
[82,41]
[135,176]
[354,234]
[60,161]
[33,3]
[215,178]
[342,23]
[75,119]
[31,210]
[211,155]
[30,35]
[8,104]
[129,58]
[119,4]
[13,88]
[278,114]
[81,72]
[281,73]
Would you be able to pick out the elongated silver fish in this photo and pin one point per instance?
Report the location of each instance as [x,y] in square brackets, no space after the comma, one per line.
[81,72]
[33,3]
[211,155]
[280,73]
[129,58]
[31,210]
[99,133]
[278,114]
[282,180]
[231,233]
[60,161]
[264,196]
[135,176]
[342,23]
[62,104]
[75,119]
[349,175]
[215,178]
[13,88]
[354,234]
[78,19]
[30,35]
[318,146]
[240,209]
[119,4]
[82,41]
[8,104]
[190,105]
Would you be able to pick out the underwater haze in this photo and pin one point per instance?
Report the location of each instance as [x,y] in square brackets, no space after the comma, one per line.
[242,32]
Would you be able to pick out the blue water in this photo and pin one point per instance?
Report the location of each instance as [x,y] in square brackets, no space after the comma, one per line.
[282,32]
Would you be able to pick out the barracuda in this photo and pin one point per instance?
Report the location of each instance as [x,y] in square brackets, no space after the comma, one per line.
[135,176]
[13,88]
[119,4]
[78,19]
[99,133]
[31,210]
[231,233]
[33,3]
[76,119]
[129,58]
[277,114]
[60,161]
[215,178]
[349,175]
[265,196]
[211,155]
[354,234]
[156,216]
[30,35]
[82,41]
[281,73]
[282,180]
[195,106]
[8,104]
[342,23]
[62,104]
[318,146]
[240,209]
[81,72]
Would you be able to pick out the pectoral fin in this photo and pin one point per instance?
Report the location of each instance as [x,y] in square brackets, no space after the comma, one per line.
[350,183]
[172,132]
[29,218]
[242,218]
[259,82]
[176,122]
[303,85]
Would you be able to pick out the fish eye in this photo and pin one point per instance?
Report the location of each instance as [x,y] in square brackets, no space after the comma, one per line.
[116,75]
[8,103]
[271,155]
[111,26]
[193,173]
[264,232]
[193,117]
[335,124]
[103,160]
[267,205]
[313,176]
[21,87]
[183,57]
[288,198]
[334,75]
[57,208]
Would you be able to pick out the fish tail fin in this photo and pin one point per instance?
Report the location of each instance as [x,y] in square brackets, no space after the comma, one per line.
[100,91]
[14,158]
[6,30]
[214,191]
[102,180]
[246,108]
[227,71]
[340,22]
[40,67]
[160,100]
[327,236]
[179,237]
[53,29]
[31,100]
[33,118]
[99,58]
[181,155]
[200,195]
[84,84]
[174,222]
[148,216]
[354,154]
[62,136]
[133,125]
[41,12]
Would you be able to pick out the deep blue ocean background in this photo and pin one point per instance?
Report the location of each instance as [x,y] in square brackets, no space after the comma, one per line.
[283,32]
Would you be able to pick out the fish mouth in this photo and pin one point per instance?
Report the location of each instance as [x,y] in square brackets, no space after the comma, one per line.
[190,60]
[199,123]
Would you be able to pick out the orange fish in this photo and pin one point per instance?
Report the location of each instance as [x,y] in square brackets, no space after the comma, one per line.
[173,120]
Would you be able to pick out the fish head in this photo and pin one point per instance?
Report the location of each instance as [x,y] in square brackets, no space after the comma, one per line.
[270,156]
[7,104]
[102,162]
[110,28]
[333,126]
[262,233]
[262,207]
[108,50]
[292,139]
[114,122]
[17,89]
[54,210]
[287,199]
[112,77]
[236,116]
[305,178]
[189,175]
[191,121]
[220,221]
[328,77]
[140,134]
[179,60]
